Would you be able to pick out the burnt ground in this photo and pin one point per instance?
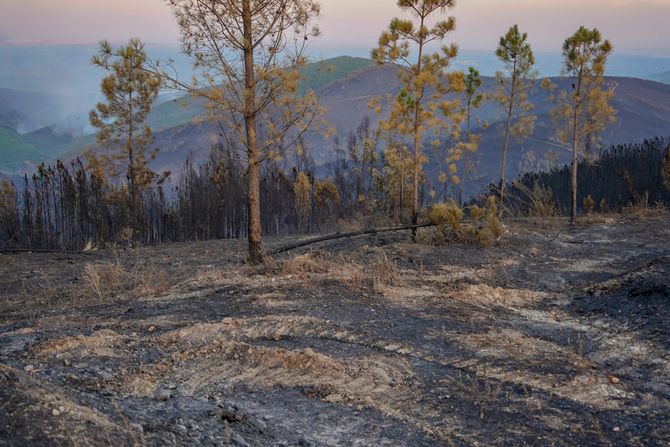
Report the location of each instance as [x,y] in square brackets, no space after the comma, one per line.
[558,336]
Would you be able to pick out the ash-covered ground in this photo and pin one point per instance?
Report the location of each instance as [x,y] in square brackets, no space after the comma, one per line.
[558,336]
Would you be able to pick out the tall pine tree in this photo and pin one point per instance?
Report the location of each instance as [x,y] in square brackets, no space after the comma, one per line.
[129,91]
[586,109]
[514,85]
[424,77]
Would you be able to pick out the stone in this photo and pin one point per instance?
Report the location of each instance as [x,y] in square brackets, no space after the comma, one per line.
[239,440]
[162,395]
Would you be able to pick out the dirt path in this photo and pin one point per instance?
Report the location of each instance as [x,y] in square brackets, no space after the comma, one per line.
[558,337]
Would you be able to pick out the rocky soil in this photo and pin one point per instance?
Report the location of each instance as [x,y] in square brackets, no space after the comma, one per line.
[558,336]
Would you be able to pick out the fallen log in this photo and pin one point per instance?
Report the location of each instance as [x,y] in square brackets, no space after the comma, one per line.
[40,250]
[332,237]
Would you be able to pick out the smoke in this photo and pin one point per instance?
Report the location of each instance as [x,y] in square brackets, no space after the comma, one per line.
[58,85]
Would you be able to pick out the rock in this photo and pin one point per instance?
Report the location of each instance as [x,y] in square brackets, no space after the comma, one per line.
[239,440]
[29,368]
[105,375]
[162,395]
[227,320]
[152,329]
[55,412]
[613,379]
[616,429]
[231,415]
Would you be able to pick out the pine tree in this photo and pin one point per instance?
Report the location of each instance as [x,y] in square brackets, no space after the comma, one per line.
[587,109]
[423,76]
[395,129]
[514,85]
[129,90]
[473,99]
[247,55]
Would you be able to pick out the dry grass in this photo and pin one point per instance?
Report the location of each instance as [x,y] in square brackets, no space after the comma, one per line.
[487,296]
[104,279]
[374,274]
[111,278]
[642,209]
[304,264]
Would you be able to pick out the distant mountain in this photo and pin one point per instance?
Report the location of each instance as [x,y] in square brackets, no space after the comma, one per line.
[317,76]
[643,109]
[42,130]
[346,89]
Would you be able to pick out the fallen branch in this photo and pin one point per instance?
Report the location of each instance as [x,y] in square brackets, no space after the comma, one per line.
[342,236]
[37,250]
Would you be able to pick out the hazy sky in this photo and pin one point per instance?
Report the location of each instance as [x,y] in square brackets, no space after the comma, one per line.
[632,25]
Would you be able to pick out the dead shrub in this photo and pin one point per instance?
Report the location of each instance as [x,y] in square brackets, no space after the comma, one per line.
[381,273]
[304,264]
[105,278]
[641,208]
[348,273]
[111,278]
[536,202]
[589,204]
[151,281]
[483,229]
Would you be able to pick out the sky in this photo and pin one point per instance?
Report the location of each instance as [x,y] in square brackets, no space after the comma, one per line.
[634,26]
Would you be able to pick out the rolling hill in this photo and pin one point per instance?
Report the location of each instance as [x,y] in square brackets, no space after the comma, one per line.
[54,131]
[643,108]
[346,89]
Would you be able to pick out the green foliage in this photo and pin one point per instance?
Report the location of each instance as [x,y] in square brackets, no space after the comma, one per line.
[16,149]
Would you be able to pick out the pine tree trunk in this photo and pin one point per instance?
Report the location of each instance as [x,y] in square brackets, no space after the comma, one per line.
[417,143]
[254,193]
[417,169]
[503,168]
[575,159]
[402,180]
